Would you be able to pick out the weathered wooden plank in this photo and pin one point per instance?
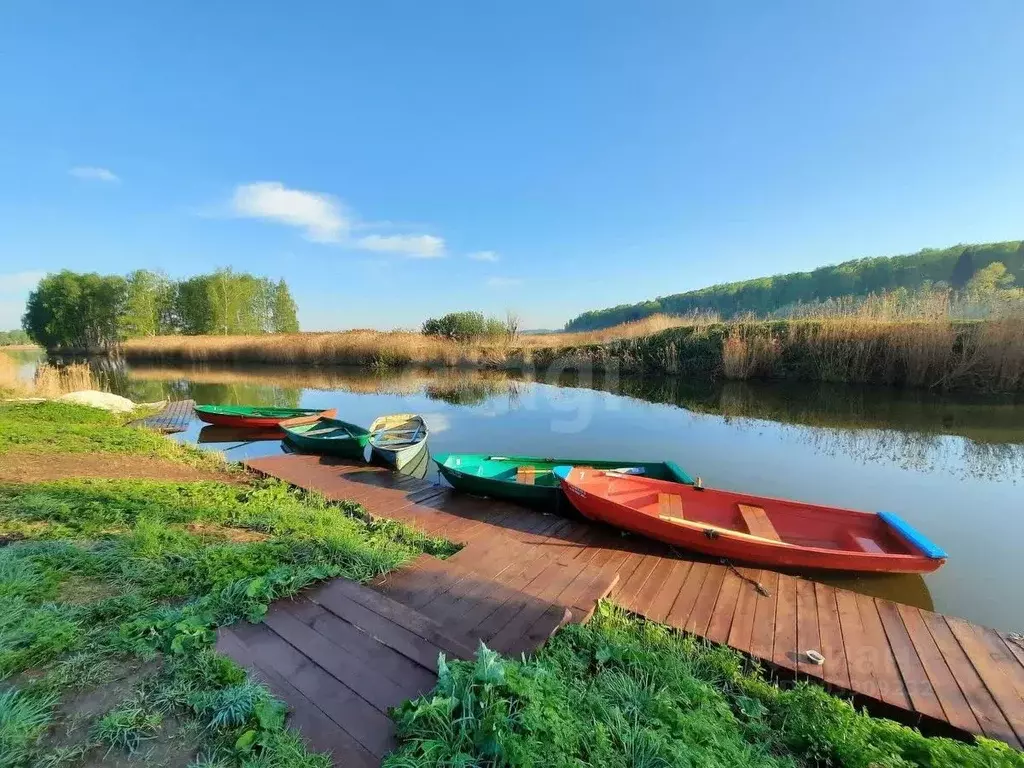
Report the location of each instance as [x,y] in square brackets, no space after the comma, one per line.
[375,688]
[320,733]
[785,650]
[395,612]
[890,683]
[989,666]
[704,605]
[743,614]
[859,653]
[627,593]
[835,670]
[808,635]
[687,596]
[990,718]
[366,724]
[762,633]
[721,617]
[955,708]
[668,591]
[911,668]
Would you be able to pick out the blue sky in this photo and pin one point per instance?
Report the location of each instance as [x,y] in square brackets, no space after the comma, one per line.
[395,160]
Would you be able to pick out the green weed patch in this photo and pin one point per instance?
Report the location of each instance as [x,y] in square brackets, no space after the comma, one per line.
[623,693]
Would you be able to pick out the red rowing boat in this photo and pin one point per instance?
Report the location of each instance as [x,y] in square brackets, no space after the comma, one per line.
[753,529]
[260,416]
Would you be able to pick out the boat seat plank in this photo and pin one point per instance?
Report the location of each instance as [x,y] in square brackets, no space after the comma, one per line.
[670,505]
[526,475]
[867,544]
[758,523]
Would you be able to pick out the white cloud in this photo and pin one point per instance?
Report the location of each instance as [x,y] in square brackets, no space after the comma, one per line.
[14,290]
[490,256]
[414,246]
[504,282]
[92,173]
[322,217]
[325,219]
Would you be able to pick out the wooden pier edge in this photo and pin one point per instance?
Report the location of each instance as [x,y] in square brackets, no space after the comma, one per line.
[941,673]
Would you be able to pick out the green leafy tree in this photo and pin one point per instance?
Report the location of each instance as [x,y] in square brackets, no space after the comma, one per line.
[147,304]
[988,280]
[285,313]
[76,311]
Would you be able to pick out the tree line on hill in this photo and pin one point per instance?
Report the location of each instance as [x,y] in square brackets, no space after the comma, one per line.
[949,268]
[92,312]
[13,338]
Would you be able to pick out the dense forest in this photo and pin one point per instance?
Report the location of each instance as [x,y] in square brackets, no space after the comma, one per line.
[94,312]
[949,267]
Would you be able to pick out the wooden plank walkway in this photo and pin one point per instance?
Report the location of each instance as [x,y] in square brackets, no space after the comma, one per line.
[175,417]
[340,655]
[522,573]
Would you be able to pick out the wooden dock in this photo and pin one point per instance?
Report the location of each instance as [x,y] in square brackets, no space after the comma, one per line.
[175,417]
[521,574]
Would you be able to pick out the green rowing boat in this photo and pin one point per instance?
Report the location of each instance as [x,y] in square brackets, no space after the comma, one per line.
[330,436]
[255,416]
[529,479]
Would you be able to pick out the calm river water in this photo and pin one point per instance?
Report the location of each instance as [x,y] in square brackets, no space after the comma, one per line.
[952,466]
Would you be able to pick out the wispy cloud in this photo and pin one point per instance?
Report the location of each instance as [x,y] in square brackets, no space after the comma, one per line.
[414,246]
[504,282]
[14,290]
[93,173]
[490,256]
[321,217]
[325,219]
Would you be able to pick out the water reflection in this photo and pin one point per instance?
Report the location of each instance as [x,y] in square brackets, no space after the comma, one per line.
[950,465]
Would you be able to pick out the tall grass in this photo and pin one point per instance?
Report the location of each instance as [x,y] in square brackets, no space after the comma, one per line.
[912,342]
[48,380]
[383,349]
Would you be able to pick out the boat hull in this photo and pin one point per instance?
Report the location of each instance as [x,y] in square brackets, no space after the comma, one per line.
[399,459]
[351,446]
[254,420]
[484,475]
[398,440]
[698,526]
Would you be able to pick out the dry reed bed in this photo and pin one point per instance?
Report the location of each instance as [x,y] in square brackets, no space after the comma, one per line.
[48,381]
[984,355]
[380,348]
[928,351]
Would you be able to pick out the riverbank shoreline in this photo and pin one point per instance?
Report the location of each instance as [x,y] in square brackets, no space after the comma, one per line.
[980,356]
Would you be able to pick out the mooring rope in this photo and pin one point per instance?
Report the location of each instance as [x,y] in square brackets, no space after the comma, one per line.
[761,589]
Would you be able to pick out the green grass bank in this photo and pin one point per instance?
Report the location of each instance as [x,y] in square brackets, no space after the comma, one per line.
[111,590]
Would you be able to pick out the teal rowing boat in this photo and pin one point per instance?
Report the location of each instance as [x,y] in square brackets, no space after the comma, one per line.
[529,479]
[329,436]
